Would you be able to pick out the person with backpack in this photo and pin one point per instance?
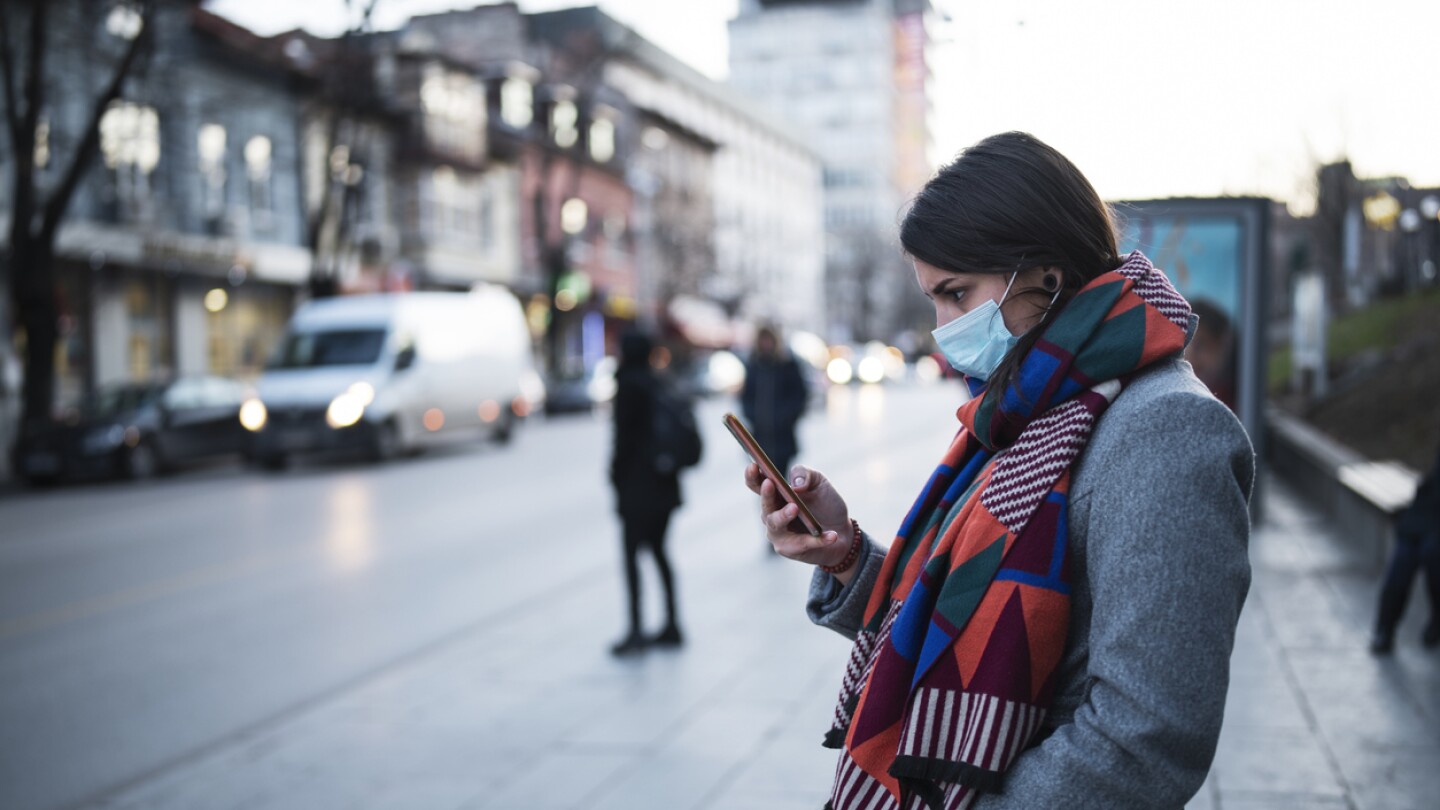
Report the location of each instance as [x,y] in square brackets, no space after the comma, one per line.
[655,438]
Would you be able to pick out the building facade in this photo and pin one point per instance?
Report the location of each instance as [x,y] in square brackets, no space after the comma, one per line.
[853,76]
[183,246]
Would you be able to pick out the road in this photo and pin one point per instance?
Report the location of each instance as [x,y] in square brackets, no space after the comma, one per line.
[144,627]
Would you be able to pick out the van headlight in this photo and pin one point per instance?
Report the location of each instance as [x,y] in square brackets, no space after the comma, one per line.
[344,411]
[253,415]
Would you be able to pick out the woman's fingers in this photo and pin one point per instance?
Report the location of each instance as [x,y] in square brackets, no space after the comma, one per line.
[753,478]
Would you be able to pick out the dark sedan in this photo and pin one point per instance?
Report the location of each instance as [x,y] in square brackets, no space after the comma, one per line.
[138,431]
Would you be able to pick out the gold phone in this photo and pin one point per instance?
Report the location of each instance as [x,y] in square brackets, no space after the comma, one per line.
[752,447]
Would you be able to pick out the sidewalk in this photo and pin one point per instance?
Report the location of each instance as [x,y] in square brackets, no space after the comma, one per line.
[1313,720]
[528,711]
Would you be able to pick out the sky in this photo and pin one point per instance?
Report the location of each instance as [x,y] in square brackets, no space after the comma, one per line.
[1150,98]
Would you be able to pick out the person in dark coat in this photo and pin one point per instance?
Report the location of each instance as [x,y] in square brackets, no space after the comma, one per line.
[773,398]
[1417,546]
[645,497]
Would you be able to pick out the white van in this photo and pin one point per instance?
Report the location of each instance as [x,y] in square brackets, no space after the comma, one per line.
[386,374]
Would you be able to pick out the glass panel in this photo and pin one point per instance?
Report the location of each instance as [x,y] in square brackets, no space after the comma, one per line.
[349,347]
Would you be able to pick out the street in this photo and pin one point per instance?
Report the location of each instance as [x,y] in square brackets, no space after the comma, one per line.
[143,625]
[432,633]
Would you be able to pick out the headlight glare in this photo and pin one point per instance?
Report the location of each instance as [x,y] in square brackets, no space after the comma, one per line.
[363,392]
[344,411]
[253,415]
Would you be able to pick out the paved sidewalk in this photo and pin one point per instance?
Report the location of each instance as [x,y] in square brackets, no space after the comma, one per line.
[529,712]
[1313,720]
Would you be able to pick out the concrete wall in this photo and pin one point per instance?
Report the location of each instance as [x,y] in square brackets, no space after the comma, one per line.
[1361,497]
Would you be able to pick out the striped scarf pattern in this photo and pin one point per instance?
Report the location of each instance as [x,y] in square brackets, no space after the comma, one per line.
[952,673]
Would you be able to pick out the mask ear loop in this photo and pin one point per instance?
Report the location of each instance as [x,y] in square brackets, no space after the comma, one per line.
[1005,294]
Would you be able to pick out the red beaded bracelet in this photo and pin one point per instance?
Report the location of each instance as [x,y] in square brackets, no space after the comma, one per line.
[850,556]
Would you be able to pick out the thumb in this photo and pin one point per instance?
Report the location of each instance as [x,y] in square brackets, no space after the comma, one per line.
[804,479]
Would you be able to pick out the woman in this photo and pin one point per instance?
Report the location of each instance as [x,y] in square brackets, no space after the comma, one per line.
[1053,623]
[645,495]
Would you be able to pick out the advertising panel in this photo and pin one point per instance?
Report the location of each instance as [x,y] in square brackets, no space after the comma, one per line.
[1214,252]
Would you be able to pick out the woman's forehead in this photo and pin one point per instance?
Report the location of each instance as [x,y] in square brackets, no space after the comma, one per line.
[929,275]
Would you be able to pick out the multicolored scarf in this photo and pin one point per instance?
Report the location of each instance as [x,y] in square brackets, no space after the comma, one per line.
[953,672]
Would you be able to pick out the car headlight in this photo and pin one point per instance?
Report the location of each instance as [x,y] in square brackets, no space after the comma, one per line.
[344,411]
[362,391]
[253,415]
[103,440]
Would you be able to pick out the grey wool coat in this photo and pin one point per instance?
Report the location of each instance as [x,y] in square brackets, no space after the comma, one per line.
[1159,536]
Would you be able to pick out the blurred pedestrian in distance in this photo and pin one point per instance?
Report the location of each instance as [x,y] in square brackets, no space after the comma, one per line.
[1417,547]
[1052,626]
[646,494]
[774,396]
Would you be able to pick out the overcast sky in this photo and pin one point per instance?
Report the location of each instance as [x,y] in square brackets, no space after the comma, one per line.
[1151,98]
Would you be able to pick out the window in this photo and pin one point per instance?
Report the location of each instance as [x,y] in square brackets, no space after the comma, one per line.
[130,144]
[563,120]
[517,101]
[349,347]
[454,205]
[602,139]
[258,154]
[210,143]
[454,106]
[42,143]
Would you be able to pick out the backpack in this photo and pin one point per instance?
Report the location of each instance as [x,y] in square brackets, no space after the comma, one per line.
[673,434]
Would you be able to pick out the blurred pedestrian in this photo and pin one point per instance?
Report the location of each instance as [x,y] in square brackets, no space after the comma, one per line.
[1057,612]
[1417,547]
[647,491]
[774,396]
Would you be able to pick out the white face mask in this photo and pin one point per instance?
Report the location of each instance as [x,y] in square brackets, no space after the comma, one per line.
[977,341]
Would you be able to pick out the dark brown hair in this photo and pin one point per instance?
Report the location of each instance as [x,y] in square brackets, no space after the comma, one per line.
[1011,203]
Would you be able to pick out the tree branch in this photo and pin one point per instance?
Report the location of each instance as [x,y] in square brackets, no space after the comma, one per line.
[34,98]
[7,66]
[84,152]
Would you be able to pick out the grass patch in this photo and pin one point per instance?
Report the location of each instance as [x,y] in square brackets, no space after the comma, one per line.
[1382,326]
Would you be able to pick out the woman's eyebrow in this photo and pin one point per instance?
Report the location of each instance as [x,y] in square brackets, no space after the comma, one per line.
[941,287]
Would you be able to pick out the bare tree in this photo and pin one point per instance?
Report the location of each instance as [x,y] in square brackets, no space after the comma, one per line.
[346,99]
[26,43]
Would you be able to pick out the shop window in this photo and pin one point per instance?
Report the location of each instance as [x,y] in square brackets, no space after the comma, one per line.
[147,327]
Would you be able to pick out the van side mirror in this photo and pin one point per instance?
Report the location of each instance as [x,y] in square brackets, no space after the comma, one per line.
[405,359]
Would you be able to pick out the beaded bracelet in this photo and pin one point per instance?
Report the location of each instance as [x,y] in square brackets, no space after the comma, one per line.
[850,556]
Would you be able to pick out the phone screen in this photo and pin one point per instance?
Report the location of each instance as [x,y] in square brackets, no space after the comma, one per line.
[752,447]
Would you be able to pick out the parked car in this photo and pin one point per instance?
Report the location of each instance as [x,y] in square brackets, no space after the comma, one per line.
[581,393]
[386,374]
[137,431]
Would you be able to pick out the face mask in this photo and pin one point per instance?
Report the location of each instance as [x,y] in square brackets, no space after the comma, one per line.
[977,341]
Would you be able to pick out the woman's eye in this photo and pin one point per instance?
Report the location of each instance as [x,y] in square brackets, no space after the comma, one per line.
[958,295]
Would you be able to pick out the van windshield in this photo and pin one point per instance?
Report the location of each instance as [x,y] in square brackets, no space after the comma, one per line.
[340,347]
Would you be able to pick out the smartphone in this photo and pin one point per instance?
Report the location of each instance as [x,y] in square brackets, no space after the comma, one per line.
[747,441]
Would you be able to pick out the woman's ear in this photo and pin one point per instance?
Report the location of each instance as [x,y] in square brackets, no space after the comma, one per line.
[1051,280]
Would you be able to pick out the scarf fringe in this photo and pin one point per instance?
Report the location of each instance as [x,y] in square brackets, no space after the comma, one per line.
[978,779]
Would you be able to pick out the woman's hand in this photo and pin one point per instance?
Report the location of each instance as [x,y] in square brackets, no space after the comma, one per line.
[782,519]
